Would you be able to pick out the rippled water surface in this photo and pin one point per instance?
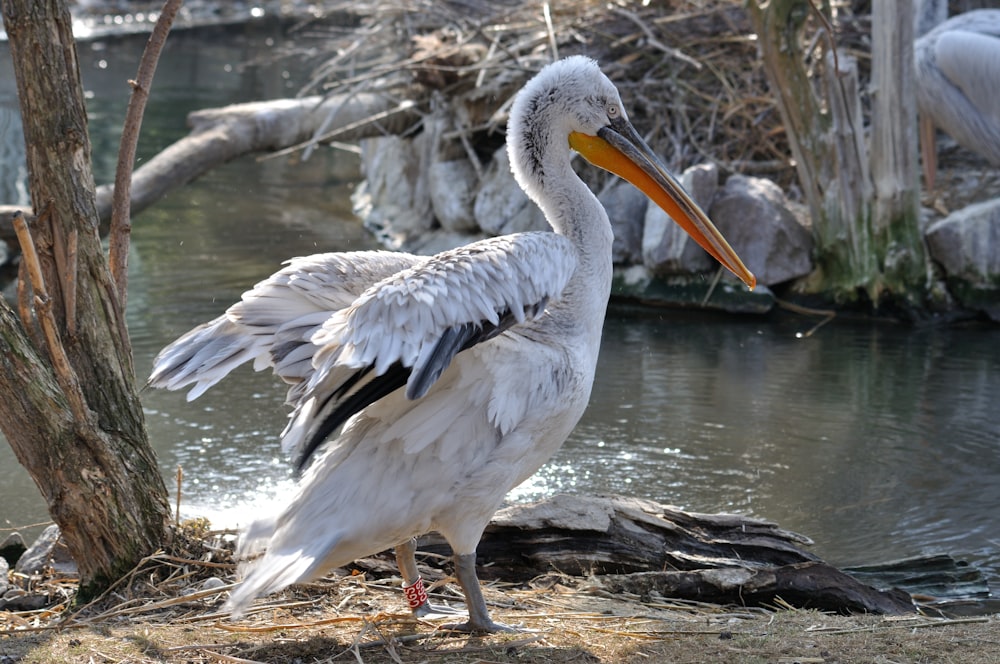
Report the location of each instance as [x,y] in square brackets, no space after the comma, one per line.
[878,442]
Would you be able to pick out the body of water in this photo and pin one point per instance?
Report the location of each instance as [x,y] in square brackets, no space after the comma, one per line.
[879,442]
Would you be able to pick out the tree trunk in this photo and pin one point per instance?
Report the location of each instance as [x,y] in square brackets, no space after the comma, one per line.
[863,201]
[70,409]
[895,173]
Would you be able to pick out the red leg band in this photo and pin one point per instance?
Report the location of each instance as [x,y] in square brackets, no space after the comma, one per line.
[415,594]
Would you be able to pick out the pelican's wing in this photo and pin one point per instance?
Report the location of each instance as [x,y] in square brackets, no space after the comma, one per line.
[273,322]
[971,61]
[406,329]
[957,70]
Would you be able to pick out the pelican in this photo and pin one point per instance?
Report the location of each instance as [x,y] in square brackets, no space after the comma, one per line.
[957,66]
[450,379]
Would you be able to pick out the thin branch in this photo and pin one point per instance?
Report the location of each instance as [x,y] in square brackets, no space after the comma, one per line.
[121,222]
[546,12]
[653,41]
[64,372]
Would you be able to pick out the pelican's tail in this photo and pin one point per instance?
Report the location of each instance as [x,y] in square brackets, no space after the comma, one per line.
[278,567]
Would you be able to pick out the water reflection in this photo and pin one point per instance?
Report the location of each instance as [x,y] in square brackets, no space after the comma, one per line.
[876,441]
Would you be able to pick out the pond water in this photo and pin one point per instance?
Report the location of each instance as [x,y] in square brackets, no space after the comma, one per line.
[877,441]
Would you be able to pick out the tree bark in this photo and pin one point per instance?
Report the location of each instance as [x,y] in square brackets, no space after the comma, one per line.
[895,173]
[867,246]
[93,465]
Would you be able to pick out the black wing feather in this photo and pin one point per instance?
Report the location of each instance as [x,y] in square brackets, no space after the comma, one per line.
[453,341]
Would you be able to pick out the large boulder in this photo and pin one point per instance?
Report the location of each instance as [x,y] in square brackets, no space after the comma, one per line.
[666,247]
[753,215]
[965,244]
[501,206]
[394,200]
[626,208]
[48,551]
[453,186]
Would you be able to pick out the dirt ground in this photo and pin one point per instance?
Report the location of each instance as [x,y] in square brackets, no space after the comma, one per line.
[354,619]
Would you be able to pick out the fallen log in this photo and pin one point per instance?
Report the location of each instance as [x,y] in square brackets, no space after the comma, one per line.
[219,135]
[642,547]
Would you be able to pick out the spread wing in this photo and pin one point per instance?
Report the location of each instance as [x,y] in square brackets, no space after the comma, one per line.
[406,329]
[273,322]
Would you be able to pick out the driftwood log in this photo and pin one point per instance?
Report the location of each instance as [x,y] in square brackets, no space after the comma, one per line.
[644,548]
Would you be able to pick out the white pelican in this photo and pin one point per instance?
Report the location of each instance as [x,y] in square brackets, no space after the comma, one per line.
[957,67]
[451,379]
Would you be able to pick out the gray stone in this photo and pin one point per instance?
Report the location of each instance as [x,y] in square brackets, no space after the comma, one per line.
[965,244]
[16,599]
[212,583]
[702,183]
[626,208]
[666,247]
[4,570]
[47,551]
[394,199]
[453,186]
[501,206]
[12,548]
[753,216]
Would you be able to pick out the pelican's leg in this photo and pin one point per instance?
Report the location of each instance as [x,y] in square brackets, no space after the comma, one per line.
[413,585]
[928,151]
[479,615]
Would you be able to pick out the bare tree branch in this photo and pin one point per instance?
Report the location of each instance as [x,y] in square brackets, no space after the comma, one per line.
[121,221]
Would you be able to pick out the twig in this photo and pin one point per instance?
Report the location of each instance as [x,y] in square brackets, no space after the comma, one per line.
[828,315]
[177,512]
[121,223]
[42,305]
[547,13]
[229,658]
[711,288]
[907,624]
[653,41]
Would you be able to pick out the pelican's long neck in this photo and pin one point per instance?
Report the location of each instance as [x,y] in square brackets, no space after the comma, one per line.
[540,159]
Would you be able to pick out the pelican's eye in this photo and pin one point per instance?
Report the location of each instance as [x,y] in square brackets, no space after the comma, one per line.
[613,111]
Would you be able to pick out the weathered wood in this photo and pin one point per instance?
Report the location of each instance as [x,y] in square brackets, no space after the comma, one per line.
[895,174]
[844,232]
[813,585]
[939,576]
[620,535]
[779,25]
[868,248]
[722,558]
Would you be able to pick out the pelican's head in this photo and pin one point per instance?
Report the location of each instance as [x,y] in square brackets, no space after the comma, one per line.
[572,104]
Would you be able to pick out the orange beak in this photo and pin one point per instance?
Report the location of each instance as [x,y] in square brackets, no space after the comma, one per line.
[618,148]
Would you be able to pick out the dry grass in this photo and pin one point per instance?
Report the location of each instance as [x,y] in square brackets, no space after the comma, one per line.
[170,610]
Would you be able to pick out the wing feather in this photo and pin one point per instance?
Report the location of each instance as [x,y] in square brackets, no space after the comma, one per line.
[274,321]
[409,327]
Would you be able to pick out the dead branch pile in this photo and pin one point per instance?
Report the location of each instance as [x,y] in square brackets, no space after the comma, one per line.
[688,71]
